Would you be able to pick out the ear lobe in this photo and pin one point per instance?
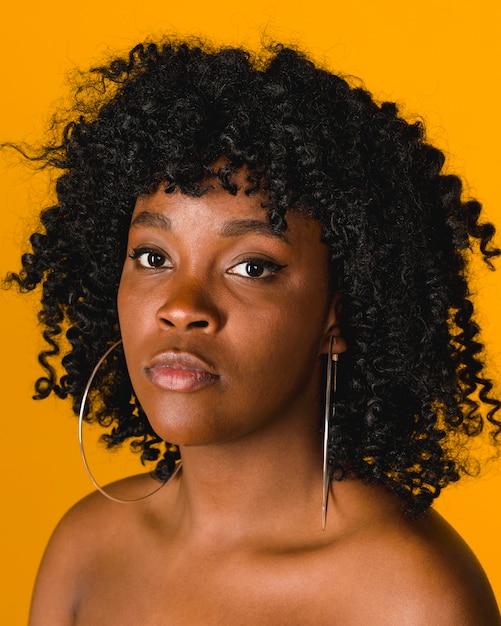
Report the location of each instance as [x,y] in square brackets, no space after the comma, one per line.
[333,328]
[338,345]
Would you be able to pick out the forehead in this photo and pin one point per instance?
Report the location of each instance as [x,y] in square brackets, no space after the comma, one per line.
[217,209]
[215,200]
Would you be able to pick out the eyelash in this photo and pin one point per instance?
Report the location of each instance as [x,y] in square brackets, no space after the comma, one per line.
[262,265]
[137,253]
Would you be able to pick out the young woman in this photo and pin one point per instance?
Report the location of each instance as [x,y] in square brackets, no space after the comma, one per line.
[262,276]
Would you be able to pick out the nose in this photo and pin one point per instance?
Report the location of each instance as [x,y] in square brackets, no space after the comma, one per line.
[188,306]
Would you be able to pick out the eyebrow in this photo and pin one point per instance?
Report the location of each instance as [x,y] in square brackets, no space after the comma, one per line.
[235,228]
[153,220]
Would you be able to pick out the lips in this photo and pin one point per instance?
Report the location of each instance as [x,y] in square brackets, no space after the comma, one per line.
[180,371]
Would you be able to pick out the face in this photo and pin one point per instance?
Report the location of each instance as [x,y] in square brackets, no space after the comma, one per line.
[223,321]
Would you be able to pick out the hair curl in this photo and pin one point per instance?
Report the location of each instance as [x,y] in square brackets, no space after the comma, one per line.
[398,231]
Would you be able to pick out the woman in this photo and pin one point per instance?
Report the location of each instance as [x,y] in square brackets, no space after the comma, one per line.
[258,264]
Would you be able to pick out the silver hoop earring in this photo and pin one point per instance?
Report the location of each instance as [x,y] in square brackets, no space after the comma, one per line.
[80,437]
[329,412]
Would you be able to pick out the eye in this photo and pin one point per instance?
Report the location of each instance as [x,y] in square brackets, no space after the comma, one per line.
[150,258]
[255,268]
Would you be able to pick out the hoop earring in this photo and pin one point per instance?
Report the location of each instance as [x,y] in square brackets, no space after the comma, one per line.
[329,413]
[80,437]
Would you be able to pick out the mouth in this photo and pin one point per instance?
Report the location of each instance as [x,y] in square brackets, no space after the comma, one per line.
[180,371]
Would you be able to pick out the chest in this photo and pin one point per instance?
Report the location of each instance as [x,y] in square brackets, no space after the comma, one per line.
[210,589]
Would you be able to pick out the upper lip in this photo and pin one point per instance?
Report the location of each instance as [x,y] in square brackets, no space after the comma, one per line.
[181,360]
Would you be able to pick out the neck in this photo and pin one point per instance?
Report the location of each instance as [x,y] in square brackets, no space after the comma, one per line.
[257,485]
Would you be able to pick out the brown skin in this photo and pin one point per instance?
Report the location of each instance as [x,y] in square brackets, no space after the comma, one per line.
[228,366]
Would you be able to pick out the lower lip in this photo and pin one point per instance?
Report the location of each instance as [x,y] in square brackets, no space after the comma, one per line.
[180,380]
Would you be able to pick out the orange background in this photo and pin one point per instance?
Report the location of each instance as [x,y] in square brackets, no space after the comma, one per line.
[440,59]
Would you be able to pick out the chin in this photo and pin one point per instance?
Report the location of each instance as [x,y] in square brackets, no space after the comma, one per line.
[190,430]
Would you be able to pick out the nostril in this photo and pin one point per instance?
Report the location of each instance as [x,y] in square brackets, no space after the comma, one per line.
[200,324]
[193,324]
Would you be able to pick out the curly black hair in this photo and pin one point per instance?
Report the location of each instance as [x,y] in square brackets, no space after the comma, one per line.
[412,386]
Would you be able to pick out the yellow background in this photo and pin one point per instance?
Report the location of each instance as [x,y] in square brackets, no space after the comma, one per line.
[439,58]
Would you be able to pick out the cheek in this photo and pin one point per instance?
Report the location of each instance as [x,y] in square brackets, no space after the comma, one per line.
[135,309]
[135,317]
[122,302]
[279,353]
[124,311]
[126,317]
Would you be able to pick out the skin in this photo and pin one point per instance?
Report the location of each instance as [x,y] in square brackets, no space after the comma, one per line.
[225,354]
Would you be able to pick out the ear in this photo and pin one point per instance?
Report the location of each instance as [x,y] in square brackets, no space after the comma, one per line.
[332,327]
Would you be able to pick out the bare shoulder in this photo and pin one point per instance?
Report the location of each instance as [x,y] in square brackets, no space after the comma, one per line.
[422,572]
[92,528]
[454,588]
